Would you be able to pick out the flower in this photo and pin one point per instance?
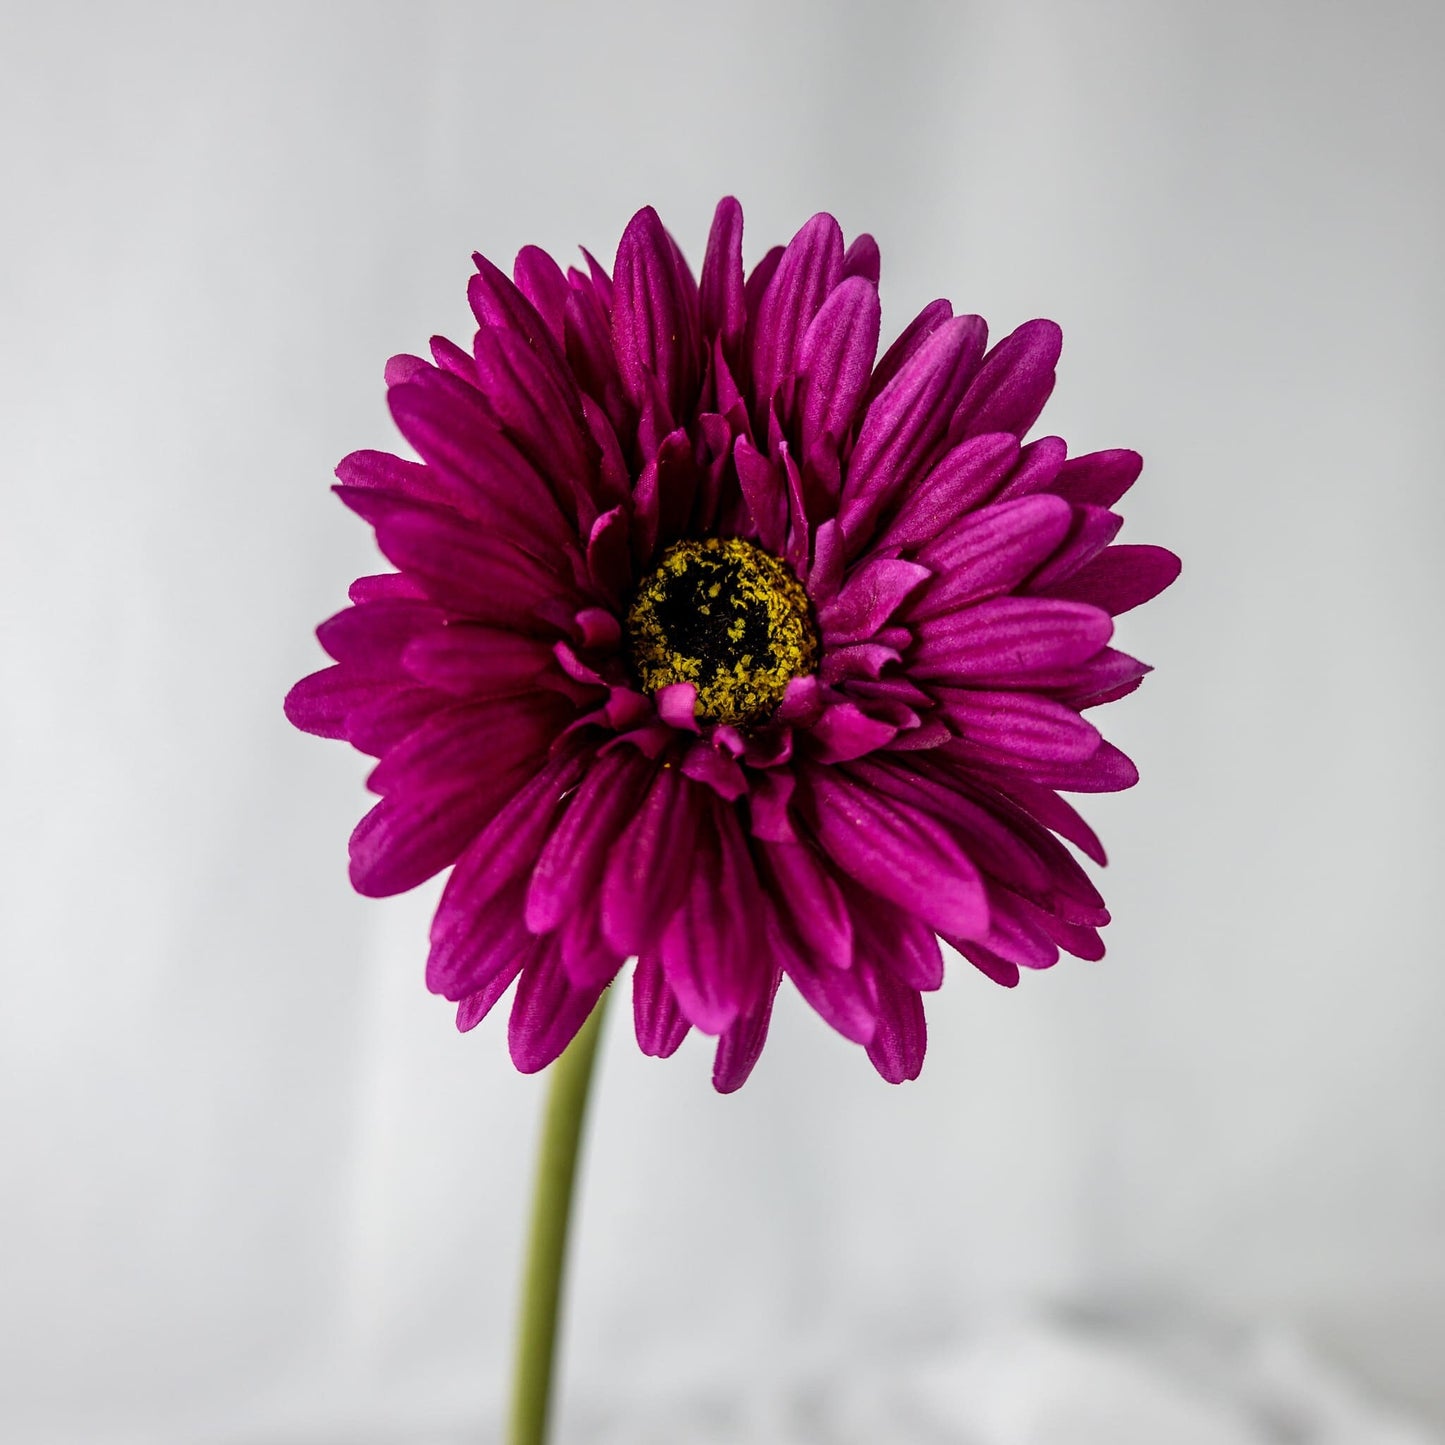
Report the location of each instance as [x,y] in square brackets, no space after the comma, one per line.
[716,642]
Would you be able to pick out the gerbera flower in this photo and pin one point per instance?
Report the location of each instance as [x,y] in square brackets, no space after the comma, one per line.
[717,643]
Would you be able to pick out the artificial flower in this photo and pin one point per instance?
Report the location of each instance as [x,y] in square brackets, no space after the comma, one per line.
[719,643]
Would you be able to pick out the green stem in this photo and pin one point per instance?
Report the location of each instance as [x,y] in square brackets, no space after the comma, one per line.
[547,1248]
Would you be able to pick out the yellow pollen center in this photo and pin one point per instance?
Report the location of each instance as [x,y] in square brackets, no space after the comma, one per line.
[727,617]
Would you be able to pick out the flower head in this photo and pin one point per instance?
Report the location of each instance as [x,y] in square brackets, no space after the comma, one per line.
[717,642]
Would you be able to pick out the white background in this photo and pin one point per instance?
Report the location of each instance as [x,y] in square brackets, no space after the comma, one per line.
[253,1186]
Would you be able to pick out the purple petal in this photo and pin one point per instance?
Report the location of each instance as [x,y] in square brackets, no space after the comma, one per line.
[965,477]
[1052,811]
[1037,470]
[740,1046]
[897,1047]
[709,945]
[484,474]
[1120,578]
[1098,479]
[569,869]
[654,316]
[1091,530]
[464,567]
[845,732]
[435,797]
[471,924]
[539,278]
[721,293]
[1021,727]
[382,472]
[909,340]
[659,1023]
[835,359]
[540,409]
[898,851]
[809,269]
[862,259]
[319,704]
[1009,640]
[868,599]
[905,427]
[991,551]
[1013,383]
[896,941]
[547,1013]
[812,901]
[497,303]
[468,660]
[647,873]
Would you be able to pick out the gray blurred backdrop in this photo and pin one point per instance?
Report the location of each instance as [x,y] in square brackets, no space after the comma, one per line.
[253,1185]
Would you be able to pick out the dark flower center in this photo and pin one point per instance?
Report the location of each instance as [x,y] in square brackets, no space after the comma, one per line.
[727,617]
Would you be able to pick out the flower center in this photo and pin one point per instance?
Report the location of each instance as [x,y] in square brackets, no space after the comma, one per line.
[727,617]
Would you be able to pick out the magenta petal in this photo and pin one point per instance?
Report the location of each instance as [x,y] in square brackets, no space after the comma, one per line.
[1098,479]
[740,1046]
[498,303]
[898,1045]
[647,872]
[502,968]
[540,409]
[434,797]
[469,660]
[1001,970]
[868,599]
[320,704]
[709,946]
[845,731]
[570,865]
[765,493]
[1013,383]
[721,290]
[1090,531]
[809,269]
[654,316]
[909,340]
[805,891]
[841,997]
[966,476]
[863,259]
[476,959]
[1121,577]
[1038,467]
[382,472]
[539,278]
[898,851]
[546,1013]
[485,476]
[465,568]
[991,551]
[373,636]
[1045,805]
[905,427]
[465,928]
[659,1023]
[1020,726]
[1009,640]
[835,359]
[895,940]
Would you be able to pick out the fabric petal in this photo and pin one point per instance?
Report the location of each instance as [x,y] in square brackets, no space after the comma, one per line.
[547,1012]
[1013,383]
[740,1047]
[898,851]
[658,1021]
[898,1045]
